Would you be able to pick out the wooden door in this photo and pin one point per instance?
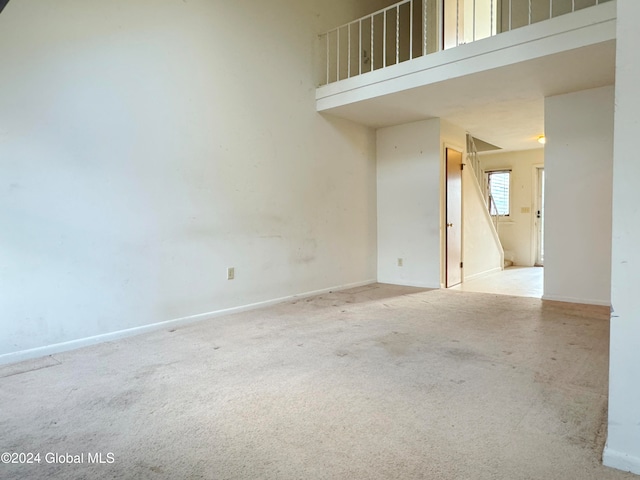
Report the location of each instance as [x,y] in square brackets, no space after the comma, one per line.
[454,218]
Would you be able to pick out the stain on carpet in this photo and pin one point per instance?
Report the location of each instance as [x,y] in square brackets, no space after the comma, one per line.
[28,366]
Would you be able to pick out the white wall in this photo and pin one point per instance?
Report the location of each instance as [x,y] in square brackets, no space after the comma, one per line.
[332,13]
[517,231]
[412,201]
[409,203]
[623,442]
[145,146]
[578,176]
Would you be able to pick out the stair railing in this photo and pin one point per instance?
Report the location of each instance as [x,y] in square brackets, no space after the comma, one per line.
[493,211]
[473,159]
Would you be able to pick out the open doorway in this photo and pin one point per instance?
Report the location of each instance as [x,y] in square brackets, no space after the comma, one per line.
[513,188]
[517,281]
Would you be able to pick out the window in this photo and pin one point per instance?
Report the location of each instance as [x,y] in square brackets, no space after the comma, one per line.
[498,185]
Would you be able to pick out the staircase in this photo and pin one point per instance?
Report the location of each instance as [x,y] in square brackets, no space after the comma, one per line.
[493,215]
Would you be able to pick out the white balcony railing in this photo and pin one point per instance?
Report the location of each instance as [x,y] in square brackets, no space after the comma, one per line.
[383,38]
[414,28]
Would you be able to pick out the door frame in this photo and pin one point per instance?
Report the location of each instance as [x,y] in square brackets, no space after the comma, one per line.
[444,144]
[443,211]
[535,200]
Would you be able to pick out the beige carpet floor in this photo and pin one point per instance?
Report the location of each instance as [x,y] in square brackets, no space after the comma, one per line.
[379,382]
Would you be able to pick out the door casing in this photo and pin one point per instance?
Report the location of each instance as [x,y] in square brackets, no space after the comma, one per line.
[453,217]
[538,230]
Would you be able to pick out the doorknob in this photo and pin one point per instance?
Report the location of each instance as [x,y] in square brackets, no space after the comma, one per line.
[449,224]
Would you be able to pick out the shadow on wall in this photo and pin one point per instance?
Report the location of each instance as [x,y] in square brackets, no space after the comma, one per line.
[3,3]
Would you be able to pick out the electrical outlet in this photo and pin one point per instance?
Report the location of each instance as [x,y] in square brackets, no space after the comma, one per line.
[400,262]
[231,273]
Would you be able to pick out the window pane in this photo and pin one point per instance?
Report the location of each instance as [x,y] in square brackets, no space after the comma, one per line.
[499,190]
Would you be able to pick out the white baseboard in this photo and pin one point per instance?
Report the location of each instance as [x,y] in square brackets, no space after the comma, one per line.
[583,301]
[29,354]
[620,461]
[402,283]
[483,274]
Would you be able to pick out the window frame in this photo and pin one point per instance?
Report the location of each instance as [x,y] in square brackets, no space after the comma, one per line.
[487,174]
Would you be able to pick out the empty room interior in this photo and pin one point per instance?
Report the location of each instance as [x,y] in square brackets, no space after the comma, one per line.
[359,239]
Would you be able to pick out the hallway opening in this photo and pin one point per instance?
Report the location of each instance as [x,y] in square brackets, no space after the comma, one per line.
[516,281]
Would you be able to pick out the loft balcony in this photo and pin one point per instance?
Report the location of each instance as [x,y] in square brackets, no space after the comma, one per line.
[419,59]
[411,29]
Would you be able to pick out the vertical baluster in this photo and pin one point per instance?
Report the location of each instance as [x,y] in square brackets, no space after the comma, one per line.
[411,30]
[349,51]
[359,46]
[397,34]
[474,21]
[328,52]
[384,39]
[457,22]
[550,9]
[372,57]
[529,12]
[491,21]
[573,5]
[337,54]
[491,34]
[424,27]
[510,13]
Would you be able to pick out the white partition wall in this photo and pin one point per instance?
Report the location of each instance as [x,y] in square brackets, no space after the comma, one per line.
[623,442]
[578,176]
[409,204]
